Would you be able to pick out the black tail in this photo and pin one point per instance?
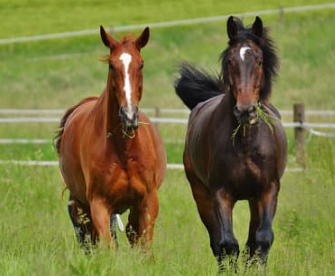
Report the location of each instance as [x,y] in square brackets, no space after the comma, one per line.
[195,86]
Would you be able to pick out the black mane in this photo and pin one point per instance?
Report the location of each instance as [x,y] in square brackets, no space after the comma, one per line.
[270,59]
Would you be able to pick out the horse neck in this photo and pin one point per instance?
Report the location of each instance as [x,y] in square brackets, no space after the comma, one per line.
[226,108]
[107,118]
[244,137]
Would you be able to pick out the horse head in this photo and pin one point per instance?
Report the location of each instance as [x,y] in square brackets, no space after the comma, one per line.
[248,64]
[125,74]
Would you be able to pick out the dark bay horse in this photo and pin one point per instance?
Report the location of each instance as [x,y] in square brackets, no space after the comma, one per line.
[235,145]
[111,157]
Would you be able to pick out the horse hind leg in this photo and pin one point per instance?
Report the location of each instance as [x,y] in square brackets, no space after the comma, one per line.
[113,226]
[132,228]
[80,218]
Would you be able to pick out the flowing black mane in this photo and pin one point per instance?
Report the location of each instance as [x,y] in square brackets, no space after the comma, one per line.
[195,85]
[270,59]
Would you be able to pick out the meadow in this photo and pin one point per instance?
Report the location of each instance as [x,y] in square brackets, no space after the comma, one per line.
[36,234]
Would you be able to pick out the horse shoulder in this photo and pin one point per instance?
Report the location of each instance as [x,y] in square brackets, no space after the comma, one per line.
[199,131]
[152,147]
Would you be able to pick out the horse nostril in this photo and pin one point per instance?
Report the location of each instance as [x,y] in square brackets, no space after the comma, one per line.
[237,112]
[252,109]
[135,112]
[252,114]
[129,117]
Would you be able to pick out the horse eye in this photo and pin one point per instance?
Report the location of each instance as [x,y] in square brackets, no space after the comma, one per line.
[259,63]
[141,66]
[111,66]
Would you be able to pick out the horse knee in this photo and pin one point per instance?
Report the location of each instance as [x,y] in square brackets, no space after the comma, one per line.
[229,246]
[264,239]
[216,248]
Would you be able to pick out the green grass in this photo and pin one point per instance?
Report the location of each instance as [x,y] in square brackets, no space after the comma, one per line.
[71,69]
[32,17]
[36,234]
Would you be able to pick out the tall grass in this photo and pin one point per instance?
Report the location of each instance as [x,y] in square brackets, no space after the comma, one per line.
[37,236]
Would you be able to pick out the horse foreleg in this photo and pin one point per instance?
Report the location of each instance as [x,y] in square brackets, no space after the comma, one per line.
[132,226]
[147,218]
[101,221]
[253,226]
[141,220]
[209,210]
[229,244]
[266,209]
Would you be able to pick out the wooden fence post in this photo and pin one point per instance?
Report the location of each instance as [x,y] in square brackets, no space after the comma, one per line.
[299,133]
[281,15]
[157,114]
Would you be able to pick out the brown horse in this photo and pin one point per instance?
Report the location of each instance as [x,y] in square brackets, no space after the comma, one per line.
[235,144]
[111,157]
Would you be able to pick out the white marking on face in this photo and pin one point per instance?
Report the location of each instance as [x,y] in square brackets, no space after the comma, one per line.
[126,59]
[243,51]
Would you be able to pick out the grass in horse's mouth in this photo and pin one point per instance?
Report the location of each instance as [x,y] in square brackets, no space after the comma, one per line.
[264,116]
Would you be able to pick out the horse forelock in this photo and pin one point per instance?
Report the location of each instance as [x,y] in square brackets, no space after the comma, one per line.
[125,44]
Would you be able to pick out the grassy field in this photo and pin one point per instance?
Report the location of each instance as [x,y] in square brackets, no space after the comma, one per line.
[36,234]
[33,17]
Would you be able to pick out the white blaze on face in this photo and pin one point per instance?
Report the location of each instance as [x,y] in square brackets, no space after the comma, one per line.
[126,59]
[243,51]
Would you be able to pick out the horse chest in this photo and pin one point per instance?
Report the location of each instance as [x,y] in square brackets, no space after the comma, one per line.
[247,173]
[122,185]
[247,167]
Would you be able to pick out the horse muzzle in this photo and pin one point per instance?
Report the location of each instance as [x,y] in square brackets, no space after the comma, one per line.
[129,117]
[246,115]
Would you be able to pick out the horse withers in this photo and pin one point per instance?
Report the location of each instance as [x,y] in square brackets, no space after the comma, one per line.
[111,157]
[235,145]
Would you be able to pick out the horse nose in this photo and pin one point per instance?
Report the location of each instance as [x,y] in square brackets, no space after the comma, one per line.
[252,114]
[129,117]
[246,115]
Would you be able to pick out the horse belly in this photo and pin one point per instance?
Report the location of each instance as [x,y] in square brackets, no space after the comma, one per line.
[73,177]
[69,156]
[196,152]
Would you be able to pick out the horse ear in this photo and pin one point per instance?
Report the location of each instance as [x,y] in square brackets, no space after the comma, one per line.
[232,28]
[107,39]
[257,27]
[143,39]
